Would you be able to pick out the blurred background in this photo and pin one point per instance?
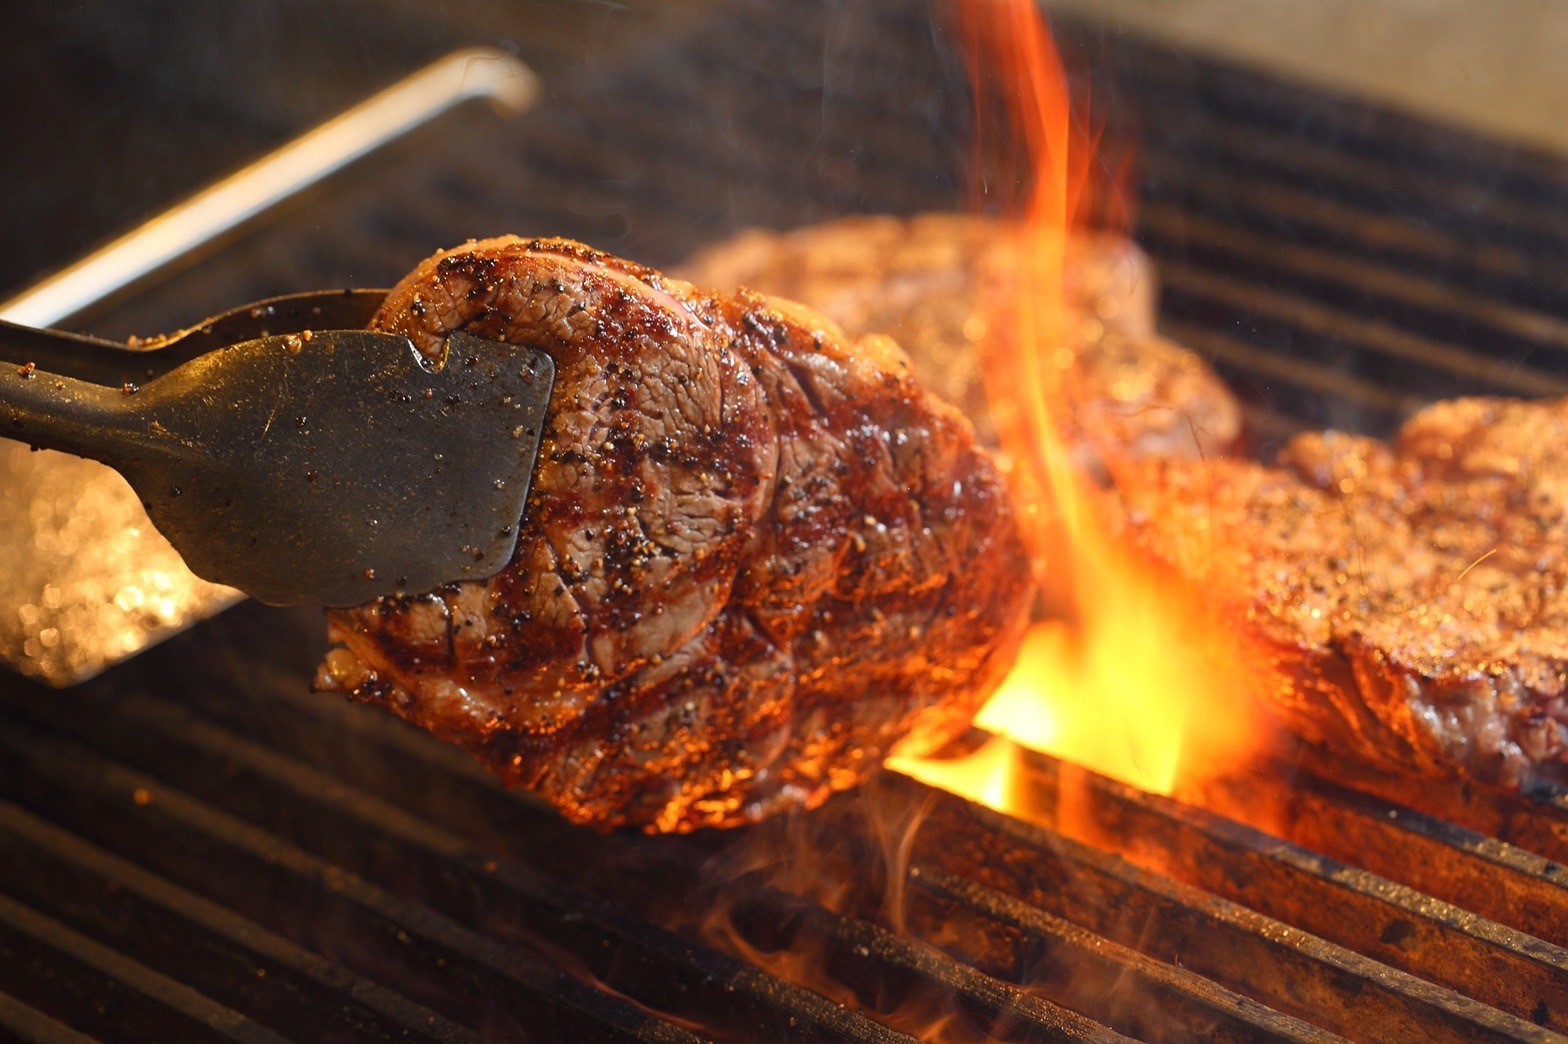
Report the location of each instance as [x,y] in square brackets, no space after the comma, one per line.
[1494,68]
[121,109]
[661,125]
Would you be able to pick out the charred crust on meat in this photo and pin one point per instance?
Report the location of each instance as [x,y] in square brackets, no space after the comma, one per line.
[699,625]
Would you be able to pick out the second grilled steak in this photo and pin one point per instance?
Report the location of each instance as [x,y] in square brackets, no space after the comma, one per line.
[936,282]
[1408,601]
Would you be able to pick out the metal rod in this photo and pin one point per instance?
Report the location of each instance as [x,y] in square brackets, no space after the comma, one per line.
[1238,947]
[1392,285]
[1374,916]
[476,73]
[1085,972]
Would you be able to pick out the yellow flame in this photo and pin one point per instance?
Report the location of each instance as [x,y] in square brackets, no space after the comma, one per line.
[984,775]
[1138,682]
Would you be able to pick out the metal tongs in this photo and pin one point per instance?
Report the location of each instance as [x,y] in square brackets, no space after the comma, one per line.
[286,453]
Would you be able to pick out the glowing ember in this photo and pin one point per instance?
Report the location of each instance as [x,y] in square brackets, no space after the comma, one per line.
[1140,683]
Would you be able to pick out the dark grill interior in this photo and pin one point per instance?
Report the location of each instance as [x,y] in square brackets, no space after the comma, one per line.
[195,847]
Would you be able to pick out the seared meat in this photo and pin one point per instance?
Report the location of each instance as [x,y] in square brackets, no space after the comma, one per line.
[1408,600]
[756,554]
[931,282]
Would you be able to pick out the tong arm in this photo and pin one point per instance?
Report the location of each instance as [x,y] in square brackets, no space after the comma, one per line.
[115,364]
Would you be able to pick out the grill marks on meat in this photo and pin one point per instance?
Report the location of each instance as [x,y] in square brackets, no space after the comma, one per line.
[756,555]
[1410,597]
[934,281]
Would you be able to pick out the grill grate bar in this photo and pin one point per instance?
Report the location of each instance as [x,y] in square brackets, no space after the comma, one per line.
[271,978]
[304,719]
[1396,297]
[463,973]
[260,781]
[506,891]
[1370,232]
[104,993]
[1073,966]
[28,1023]
[1372,915]
[1373,338]
[1369,207]
[1302,394]
[1536,822]
[167,735]
[1472,870]
[904,981]
[450,789]
[1282,966]
[860,951]
[1331,341]
[520,910]
[1261,362]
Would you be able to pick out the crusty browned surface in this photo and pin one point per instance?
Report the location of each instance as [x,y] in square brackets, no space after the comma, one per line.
[936,282]
[1409,595]
[756,555]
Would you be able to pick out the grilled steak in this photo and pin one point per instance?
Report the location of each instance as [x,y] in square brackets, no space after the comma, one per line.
[756,554]
[1408,599]
[930,282]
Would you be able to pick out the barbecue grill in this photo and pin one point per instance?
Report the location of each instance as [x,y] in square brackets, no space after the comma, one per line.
[195,847]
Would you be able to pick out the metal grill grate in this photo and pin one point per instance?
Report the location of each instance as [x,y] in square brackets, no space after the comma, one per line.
[197,848]
[222,840]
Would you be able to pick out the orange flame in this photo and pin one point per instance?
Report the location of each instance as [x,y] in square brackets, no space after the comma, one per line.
[1138,682]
